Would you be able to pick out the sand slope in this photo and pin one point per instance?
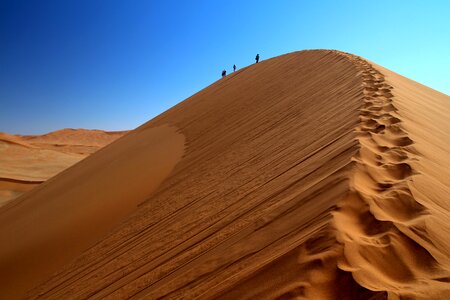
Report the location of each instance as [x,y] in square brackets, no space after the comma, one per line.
[27,161]
[309,175]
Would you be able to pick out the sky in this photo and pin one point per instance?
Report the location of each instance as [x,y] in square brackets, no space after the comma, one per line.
[113,65]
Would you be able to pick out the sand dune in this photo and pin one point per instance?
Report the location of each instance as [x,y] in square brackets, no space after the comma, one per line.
[313,175]
[26,161]
[82,141]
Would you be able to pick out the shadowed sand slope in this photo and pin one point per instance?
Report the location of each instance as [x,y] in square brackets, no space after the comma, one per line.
[26,161]
[297,180]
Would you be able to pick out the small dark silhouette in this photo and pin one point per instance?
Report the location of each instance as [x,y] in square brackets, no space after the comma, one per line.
[257,58]
[224,73]
[234,68]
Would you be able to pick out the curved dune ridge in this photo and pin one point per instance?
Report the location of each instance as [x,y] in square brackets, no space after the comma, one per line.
[312,175]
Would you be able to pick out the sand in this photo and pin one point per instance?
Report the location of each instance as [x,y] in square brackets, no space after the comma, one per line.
[27,161]
[313,175]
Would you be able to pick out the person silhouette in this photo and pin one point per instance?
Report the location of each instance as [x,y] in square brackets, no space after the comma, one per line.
[257,58]
[224,73]
[234,68]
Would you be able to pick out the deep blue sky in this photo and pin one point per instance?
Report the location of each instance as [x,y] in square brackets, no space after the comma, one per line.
[116,64]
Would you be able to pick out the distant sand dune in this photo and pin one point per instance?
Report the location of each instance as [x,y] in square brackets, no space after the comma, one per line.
[313,175]
[26,161]
[13,188]
[74,140]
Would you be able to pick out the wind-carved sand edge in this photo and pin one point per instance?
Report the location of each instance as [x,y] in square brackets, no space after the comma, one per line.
[375,250]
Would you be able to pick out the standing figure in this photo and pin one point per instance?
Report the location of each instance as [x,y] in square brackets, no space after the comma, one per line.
[257,58]
[234,68]
[224,73]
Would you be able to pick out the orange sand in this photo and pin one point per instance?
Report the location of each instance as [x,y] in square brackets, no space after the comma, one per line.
[313,175]
[26,161]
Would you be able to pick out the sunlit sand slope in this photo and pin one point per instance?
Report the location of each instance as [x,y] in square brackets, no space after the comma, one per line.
[394,224]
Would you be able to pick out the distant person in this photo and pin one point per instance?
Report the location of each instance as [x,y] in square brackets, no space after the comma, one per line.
[234,68]
[257,58]
[224,73]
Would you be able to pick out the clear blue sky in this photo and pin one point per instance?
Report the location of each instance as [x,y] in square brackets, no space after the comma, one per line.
[116,64]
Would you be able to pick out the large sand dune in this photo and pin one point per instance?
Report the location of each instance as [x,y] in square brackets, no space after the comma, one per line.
[27,161]
[313,175]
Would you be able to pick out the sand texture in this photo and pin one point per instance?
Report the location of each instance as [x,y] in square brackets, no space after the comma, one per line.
[312,175]
[27,161]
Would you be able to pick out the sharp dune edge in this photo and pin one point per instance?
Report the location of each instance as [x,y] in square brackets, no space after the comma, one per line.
[313,175]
